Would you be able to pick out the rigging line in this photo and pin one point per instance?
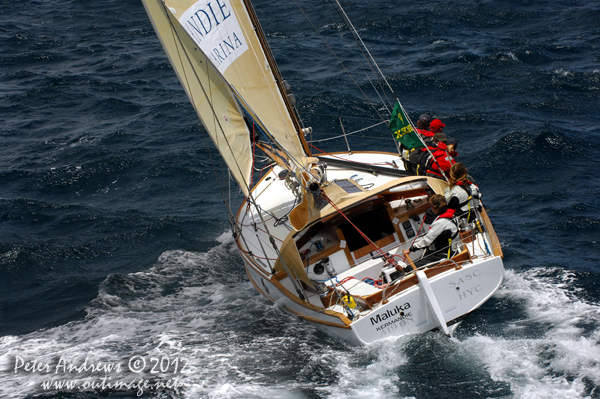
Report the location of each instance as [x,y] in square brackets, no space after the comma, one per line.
[253,151]
[348,134]
[363,137]
[271,90]
[387,100]
[344,116]
[264,129]
[292,111]
[367,239]
[350,27]
[341,63]
[345,159]
[257,257]
[215,118]
[355,33]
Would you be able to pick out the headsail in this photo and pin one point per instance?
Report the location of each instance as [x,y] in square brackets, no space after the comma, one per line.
[210,94]
[224,33]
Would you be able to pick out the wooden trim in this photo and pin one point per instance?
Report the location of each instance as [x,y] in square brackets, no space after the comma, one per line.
[281,288]
[346,249]
[441,267]
[309,305]
[316,320]
[280,275]
[322,254]
[277,155]
[467,236]
[406,283]
[496,247]
[412,280]
[364,251]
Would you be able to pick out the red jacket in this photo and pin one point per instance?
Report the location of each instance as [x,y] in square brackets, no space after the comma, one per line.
[440,162]
[425,133]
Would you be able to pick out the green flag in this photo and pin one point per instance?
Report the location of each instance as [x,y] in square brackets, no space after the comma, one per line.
[402,130]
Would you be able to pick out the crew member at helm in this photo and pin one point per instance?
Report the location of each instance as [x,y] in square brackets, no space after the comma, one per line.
[439,240]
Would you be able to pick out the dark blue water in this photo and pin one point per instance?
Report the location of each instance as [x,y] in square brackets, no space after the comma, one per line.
[114,240]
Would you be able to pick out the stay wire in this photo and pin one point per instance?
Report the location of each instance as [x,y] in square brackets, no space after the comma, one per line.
[348,134]
[378,250]
[340,62]
[361,44]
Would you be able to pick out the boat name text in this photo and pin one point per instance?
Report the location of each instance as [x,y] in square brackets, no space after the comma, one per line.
[393,325]
[398,310]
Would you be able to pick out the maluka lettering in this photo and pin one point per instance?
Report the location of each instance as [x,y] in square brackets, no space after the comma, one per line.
[399,309]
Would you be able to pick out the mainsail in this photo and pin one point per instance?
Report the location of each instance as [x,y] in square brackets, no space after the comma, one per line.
[214,47]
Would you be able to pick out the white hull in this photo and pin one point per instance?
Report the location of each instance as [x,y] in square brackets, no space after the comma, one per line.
[458,292]
[456,289]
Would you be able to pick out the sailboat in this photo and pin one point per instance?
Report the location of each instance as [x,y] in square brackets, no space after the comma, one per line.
[324,237]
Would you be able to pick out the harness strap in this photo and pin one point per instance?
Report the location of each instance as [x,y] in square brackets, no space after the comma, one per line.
[468,190]
[455,222]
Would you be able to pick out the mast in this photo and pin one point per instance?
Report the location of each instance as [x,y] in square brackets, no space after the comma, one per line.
[278,79]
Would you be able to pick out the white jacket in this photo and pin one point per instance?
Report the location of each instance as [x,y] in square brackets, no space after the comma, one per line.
[461,194]
[438,226]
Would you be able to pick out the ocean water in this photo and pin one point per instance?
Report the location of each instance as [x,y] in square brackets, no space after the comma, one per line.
[114,240]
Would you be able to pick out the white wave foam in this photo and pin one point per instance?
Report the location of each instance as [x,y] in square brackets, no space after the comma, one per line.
[175,308]
[563,356]
[563,72]
[199,306]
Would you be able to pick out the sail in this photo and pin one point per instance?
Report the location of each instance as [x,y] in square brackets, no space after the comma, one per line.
[213,99]
[223,30]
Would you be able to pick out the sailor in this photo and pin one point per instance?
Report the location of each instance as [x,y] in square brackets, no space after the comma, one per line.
[439,241]
[434,160]
[436,126]
[462,195]
[423,126]
[452,145]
